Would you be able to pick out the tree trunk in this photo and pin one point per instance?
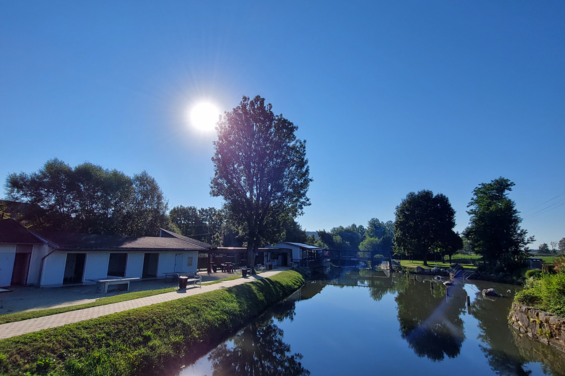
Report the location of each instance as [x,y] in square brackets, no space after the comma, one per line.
[425,259]
[250,251]
[450,260]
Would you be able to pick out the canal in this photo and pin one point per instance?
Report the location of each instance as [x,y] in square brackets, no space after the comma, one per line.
[363,322]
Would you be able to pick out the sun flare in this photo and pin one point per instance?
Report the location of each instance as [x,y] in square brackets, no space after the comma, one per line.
[204,116]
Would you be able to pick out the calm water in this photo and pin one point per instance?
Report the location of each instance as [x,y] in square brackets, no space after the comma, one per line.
[365,323]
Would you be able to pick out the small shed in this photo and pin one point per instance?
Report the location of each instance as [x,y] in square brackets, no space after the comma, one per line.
[535,263]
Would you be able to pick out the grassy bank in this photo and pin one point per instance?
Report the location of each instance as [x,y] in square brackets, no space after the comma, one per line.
[19,316]
[147,340]
[469,262]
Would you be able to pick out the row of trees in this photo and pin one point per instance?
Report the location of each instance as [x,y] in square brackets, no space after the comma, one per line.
[376,237]
[88,199]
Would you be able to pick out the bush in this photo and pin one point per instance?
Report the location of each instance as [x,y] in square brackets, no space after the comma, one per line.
[553,293]
[546,293]
[529,297]
[535,273]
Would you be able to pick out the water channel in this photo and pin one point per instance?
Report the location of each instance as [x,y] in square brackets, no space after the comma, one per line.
[363,322]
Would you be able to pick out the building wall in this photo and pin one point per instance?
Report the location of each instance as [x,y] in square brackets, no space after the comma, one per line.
[96,265]
[7,258]
[37,253]
[167,262]
[54,269]
[134,267]
[296,252]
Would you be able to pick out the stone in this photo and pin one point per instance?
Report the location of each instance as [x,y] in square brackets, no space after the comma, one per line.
[490,292]
[448,283]
[419,269]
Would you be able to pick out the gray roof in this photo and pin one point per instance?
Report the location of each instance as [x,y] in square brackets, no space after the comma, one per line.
[91,242]
[170,234]
[302,245]
[12,232]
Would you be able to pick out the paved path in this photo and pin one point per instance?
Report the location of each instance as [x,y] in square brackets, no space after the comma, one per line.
[33,325]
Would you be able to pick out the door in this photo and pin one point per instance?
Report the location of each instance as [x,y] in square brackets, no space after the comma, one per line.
[150,263]
[21,267]
[117,264]
[74,268]
[178,262]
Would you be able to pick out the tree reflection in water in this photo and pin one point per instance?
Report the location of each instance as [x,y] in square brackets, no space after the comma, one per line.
[501,351]
[429,321]
[259,349]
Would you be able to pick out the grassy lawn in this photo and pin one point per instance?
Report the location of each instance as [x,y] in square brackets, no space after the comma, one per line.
[150,340]
[432,264]
[19,316]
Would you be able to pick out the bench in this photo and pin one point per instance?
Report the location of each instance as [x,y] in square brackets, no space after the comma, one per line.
[102,284]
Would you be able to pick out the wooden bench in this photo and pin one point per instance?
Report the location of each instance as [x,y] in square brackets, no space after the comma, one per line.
[102,284]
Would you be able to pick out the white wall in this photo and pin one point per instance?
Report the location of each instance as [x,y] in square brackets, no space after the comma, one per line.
[296,253]
[96,265]
[7,258]
[134,266]
[54,269]
[167,262]
[37,253]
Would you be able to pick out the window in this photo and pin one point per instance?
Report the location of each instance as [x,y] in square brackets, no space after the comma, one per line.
[189,262]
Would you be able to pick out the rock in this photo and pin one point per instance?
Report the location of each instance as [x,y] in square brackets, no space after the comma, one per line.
[448,283]
[435,270]
[419,269]
[491,292]
[438,278]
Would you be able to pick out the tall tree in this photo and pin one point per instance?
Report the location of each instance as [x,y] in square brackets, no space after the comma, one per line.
[494,224]
[561,246]
[543,248]
[424,222]
[261,170]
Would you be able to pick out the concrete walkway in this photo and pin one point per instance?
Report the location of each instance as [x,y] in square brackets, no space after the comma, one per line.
[34,325]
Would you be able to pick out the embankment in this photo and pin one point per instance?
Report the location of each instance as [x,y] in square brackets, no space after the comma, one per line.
[539,325]
[148,340]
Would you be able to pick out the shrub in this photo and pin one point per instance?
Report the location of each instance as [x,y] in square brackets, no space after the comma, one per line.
[529,297]
[553,293]
[536,273]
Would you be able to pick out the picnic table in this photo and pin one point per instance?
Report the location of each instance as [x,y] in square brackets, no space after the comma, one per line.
[102,284]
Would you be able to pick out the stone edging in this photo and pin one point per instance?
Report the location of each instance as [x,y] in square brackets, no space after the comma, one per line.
[539,325]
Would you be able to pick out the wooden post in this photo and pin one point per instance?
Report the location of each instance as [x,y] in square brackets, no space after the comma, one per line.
[209,263]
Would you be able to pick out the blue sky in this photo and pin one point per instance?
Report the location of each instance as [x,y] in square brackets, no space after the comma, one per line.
[392,97]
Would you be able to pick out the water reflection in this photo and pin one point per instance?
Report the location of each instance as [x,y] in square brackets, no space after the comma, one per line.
[434,322]
[429,320]
[506,352]
[259,348]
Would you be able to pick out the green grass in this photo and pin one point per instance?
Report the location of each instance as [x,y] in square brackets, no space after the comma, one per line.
[432,264]
[145,341]
[19,316]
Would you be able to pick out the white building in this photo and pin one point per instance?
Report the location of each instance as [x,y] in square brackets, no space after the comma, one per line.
[47,258]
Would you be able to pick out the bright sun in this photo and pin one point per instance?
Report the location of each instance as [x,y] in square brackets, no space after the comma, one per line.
[204,116]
